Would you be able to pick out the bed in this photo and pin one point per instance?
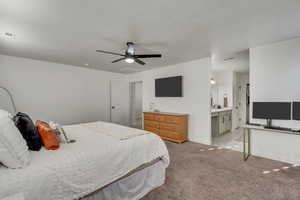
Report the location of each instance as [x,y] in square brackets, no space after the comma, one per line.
[108,161]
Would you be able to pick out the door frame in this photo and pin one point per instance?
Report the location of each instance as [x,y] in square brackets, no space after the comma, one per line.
[131,95]
[110,104]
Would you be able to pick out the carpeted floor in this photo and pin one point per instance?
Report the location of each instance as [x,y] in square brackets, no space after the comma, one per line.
[223,175]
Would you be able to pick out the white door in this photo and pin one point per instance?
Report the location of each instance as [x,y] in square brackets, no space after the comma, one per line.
[119,102]
[136,104]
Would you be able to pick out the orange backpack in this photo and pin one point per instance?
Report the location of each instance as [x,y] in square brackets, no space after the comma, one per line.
[48,135]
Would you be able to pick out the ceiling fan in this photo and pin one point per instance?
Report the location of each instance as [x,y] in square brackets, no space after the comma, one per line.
[130,56]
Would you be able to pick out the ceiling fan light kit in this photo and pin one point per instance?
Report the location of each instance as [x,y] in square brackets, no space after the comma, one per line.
[130,56]
[129,60]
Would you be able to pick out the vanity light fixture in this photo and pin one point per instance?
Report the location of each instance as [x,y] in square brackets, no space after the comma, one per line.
[212,81]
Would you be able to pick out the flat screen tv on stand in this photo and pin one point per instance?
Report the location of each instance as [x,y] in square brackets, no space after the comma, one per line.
[271,111]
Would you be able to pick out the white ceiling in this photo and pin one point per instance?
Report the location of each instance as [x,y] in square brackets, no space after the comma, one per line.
[69,31]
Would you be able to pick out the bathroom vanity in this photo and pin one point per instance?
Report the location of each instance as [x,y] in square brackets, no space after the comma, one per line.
[221,121]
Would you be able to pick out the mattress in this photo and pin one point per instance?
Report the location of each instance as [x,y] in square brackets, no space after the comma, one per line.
[78,169]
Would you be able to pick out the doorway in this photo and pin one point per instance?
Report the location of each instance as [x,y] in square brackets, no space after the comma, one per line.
[229,100]
[136,105]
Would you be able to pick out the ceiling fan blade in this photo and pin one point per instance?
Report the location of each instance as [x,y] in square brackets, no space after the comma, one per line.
[108,52]
[118,60]
[148,56]
[139,61]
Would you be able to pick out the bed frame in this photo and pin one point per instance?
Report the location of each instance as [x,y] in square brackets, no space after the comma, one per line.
[125,176]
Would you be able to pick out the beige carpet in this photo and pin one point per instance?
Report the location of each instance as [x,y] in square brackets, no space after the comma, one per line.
[223,175]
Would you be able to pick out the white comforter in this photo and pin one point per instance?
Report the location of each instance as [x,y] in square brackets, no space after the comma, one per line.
[77,169]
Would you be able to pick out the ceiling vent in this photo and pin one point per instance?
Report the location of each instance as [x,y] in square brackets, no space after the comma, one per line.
[228,59]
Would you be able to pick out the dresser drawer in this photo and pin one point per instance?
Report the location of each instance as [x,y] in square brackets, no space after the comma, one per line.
[169,127]
[151,129]
[168,134]
[152,124]
[149,117]
[159,118]
[172,119]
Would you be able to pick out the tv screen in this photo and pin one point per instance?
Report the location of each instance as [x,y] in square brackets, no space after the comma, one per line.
[168,87]
[296,110]
[272,110]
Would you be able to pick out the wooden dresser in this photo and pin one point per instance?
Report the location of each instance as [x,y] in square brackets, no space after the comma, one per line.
[169,126]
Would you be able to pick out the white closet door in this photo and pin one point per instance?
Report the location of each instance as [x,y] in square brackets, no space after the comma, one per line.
[119,102]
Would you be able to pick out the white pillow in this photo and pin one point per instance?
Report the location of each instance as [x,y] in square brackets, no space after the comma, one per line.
[13,149]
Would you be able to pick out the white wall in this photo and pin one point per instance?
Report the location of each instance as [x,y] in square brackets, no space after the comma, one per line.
[274,76]
[51,91]
[196,95]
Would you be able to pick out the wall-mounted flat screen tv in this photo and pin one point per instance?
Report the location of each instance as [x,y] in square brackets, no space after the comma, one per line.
[168,87]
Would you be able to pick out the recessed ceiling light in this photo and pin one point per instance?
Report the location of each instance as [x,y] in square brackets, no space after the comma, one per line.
[9,35]
[86,64]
